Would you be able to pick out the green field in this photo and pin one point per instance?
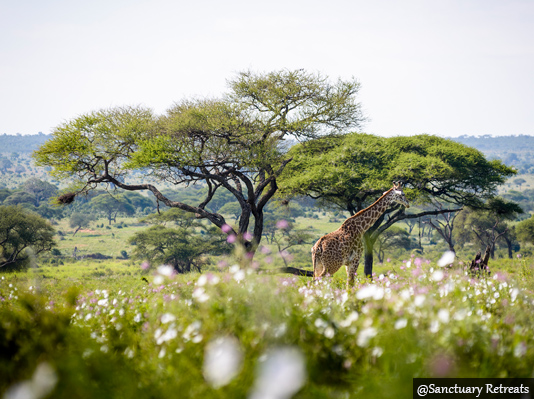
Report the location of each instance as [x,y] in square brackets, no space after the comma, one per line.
[110,329]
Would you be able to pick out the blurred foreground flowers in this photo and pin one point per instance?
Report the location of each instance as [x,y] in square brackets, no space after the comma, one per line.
[240,333]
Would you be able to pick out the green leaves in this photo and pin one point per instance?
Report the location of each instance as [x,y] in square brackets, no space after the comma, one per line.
[352,168]
[297,102]
[95,142]
[19,231]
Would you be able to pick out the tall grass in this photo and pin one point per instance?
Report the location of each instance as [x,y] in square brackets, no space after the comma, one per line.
[240,333]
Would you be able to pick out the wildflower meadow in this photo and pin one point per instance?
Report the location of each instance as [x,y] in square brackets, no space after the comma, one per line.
[240,332]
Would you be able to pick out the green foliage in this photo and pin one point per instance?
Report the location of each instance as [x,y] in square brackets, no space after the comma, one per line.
[487,226]
[173,215]
[125,337]
[391,239]
[231,208]
[20,231]
[179,247]
[350,170]
[185,246]
[20,198]
[111,205]
[40,190]
[525,230]
[79,220]
[100,141]
[233,144]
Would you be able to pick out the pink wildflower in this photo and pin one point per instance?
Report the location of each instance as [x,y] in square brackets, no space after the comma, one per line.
[282,224]
[231,238]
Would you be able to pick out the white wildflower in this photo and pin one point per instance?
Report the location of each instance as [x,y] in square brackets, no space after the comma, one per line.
[329,332]
[446,259]
[223,360]
[401,323]
[191,330]
[234,269]
[370,291]
[280,330]
[167,318]
[377,351]
[199,294]
[281,375]
[162,353]
[419,300]
[320,323]
[520,349]
[365,336]
[437,275]
[460,314]
[43,381]
[197,338]
[348,321]
[239,275]
[166,270]
[513,294]
[202,280]
[129,353]
[171,333]
[443,316]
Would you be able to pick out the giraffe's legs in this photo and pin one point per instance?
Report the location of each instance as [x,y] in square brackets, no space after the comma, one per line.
[319,270]
[352,267]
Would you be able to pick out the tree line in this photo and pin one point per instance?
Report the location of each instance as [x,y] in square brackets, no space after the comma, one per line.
[283,134]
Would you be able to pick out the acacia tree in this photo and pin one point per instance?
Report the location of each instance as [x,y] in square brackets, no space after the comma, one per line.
[111,206]
[234,143]
[444,224]
[350,171]
[394,237]
[181,245]
[19,231]
[488,225]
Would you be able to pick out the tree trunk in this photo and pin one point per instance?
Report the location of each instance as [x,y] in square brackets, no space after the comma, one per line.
[509,245]
[368,255]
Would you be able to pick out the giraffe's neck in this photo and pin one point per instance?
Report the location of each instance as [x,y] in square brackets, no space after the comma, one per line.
[363,220]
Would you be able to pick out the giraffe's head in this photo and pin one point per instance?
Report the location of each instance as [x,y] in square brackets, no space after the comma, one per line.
[397,195]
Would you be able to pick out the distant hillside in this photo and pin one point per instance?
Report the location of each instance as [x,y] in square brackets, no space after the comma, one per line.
[21,144]
[499,144]
[517,151]
[510,149]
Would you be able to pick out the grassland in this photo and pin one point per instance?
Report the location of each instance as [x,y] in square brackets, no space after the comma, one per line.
[110,329]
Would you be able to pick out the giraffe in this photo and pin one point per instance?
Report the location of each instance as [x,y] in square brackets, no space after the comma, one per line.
[345,245]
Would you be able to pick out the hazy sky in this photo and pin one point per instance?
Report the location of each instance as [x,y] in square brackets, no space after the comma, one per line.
[447,67]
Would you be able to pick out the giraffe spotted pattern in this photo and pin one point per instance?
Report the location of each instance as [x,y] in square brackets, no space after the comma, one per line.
[345,245]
